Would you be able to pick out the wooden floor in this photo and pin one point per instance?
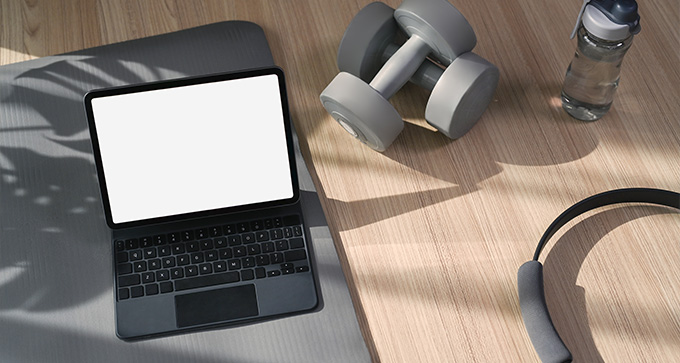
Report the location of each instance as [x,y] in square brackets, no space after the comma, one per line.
[432,231]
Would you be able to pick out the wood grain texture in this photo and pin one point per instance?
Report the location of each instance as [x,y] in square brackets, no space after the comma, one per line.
[432,231]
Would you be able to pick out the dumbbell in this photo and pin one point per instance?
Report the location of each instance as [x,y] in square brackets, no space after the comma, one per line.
[460,93]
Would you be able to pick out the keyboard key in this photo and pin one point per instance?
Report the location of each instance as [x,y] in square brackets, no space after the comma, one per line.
[276,233]
[248,238]
[277,222]
[187,236]
[135,255]
[262,260]
[192,246]
[145,242]
[139,266]
[124,268]
[190,271]
[168,262]
[220,242]
[256,226]
[137,291]
[178,249]
[207,244]
[201,233]
[197,257]
[174,237]
[248,262]
[268,223]
[123,293]
[150,253]
[281,245]
[240,251]
[234,240]
[268,247]
[177,273]
[287,265]
[151,289]
[215,231]
[254,249]
[219,266]
[162,275]
[276,258]
[164,251]
[205,268]
[211,255]
[131,244]
[260,273]
[234,264]
[148,277]
[287,271]
[159,240]
[295,255]
[120,245]
[302,269]
[288,232]
[183,260]
[128,280]
[208,280]
[166,287]
[225,253]
[273,273]
[229,229]
[296,243]
[242,227]
[247,275]
[297,231]
[154,264]
[121,257]
[262,236]
[291,220]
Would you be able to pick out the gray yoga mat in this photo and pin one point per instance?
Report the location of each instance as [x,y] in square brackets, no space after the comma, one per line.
[56,274]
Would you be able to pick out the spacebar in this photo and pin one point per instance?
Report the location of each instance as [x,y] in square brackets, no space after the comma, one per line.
[204,281]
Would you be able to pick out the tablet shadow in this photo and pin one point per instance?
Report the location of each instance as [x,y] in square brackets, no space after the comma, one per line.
[564,262]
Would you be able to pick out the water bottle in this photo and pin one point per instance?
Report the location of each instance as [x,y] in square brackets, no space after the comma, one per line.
[605,30]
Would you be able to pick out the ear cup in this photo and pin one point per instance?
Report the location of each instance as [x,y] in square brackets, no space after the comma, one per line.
[544,337]
[362,111]
[461,95]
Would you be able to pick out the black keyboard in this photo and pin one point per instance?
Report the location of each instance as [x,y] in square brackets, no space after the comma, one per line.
[183,260]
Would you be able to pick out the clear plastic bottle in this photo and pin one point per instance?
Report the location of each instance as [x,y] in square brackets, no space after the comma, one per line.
[593,75]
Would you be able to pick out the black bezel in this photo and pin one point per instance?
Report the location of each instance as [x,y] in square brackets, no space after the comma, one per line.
[187,82]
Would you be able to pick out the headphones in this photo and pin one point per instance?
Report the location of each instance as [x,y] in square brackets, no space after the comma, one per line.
[544,337]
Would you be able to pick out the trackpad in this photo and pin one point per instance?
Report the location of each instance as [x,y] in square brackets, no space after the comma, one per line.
[216,305]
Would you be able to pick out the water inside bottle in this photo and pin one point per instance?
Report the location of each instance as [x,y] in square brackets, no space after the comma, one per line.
[592,77]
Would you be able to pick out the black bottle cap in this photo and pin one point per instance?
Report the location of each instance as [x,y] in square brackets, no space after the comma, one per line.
[620,12]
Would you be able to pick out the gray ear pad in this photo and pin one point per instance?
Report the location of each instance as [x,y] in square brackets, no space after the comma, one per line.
[544,337]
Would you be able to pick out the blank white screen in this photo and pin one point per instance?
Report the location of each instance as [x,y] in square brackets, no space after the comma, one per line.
[193,148]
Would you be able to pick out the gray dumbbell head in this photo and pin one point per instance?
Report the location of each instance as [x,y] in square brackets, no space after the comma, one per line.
[362,111]
[439,24]
[365,40]
[461,95]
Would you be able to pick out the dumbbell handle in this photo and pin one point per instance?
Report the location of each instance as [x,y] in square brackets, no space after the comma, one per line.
[401,66]
[426,76]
